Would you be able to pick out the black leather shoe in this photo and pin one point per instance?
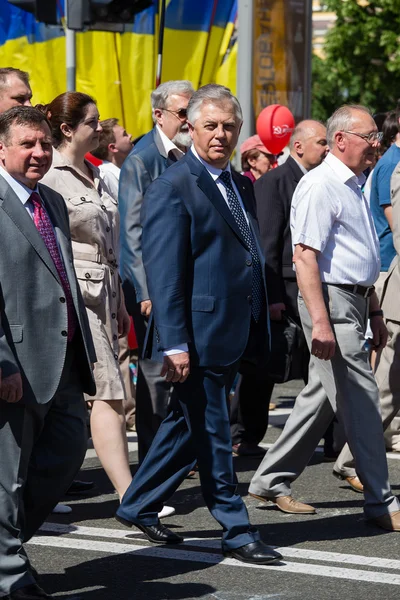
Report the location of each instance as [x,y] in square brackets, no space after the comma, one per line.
[29,592]
[256,552]
[158,534]
[79,487]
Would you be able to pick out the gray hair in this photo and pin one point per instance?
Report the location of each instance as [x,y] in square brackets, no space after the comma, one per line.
[342,119]
[211,93]
[160,96]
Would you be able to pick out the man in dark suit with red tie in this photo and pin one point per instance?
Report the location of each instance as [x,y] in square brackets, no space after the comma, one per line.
[46,348]
[205,273]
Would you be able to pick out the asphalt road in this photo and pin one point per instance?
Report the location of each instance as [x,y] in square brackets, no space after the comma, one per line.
[332,555]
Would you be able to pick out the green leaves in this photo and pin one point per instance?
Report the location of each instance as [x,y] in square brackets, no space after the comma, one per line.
[362,57]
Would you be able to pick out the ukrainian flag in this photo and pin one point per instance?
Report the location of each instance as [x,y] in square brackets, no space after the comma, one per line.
[119,70]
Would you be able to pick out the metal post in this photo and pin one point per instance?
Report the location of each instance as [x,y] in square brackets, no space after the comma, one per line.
[308,61]
[70,49]
[245,70]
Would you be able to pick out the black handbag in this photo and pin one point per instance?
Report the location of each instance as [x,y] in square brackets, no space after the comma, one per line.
[288,346]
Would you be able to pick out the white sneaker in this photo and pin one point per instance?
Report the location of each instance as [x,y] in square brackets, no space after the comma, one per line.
[167,511]
[62,509]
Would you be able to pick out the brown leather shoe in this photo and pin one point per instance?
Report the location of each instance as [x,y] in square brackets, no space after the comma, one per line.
[390,521]
[353,482]
[288,504]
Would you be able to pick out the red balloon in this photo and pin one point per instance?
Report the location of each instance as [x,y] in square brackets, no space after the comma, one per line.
[275,125]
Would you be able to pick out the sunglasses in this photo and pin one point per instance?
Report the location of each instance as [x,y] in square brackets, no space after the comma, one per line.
[181,113]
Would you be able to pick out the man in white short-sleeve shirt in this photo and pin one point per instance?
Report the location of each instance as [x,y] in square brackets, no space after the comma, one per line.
[336,257]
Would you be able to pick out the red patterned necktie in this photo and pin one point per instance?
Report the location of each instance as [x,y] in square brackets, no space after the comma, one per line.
[45,228]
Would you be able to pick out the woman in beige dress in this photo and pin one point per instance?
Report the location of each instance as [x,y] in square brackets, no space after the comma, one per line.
[94,222]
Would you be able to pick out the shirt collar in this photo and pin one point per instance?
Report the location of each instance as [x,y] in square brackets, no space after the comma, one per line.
[111,167]
[169,145]
[342,171]
[214,171]
[21,190]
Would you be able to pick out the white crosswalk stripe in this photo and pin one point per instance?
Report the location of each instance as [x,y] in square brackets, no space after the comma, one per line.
[194,550]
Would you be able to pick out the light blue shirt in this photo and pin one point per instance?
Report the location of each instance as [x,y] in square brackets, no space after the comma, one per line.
[21,190]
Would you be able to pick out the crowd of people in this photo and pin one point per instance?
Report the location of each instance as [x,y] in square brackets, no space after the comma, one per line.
[206,261]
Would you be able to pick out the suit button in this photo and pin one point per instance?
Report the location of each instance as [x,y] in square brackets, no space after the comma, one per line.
[249,262]
[110,251]
[83,198]
[108,229]
[249,299]
[87,275]
[116,356]
[103,207]
[62,299]
[64,333]
[114,294]
[115,337]
[113,315]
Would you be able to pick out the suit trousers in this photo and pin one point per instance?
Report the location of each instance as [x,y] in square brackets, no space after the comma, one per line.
[197,426]
[345,384]
[387,375]
[153,393]
[42,447]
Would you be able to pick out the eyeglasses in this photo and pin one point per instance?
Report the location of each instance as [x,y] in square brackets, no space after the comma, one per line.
[181,113]
[374,136]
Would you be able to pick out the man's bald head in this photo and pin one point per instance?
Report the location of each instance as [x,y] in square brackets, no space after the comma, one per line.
[308,143]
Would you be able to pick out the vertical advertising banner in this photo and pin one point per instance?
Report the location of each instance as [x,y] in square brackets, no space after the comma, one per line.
[282,55]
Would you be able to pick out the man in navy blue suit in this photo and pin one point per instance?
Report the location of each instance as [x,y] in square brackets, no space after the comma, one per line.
[205,275]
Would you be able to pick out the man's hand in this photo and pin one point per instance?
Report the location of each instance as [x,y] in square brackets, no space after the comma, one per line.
[124,322]
[275,311]
[176,367]
[323,343]
[145,308]
[11,388]
[379,331]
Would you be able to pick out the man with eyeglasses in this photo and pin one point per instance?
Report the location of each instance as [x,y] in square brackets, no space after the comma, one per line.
[166,143]
[336,257]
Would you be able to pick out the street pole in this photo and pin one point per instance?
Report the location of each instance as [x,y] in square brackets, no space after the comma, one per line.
[308,61]
[245,71]
[160,41]
[70,50]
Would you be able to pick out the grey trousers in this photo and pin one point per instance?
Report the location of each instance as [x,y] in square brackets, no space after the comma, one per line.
[41,447]
[387,375]
[348,382]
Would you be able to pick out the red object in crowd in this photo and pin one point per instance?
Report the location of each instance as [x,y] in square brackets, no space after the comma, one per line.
[92,159]
[132,341]
[275,125]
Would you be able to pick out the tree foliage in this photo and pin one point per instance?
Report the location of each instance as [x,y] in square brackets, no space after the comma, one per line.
[362,57]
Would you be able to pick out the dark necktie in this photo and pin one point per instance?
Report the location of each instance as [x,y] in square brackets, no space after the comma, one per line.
[45,228]
[257,288]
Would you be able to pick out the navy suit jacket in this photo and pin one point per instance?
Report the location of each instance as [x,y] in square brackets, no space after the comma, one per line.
[198,266]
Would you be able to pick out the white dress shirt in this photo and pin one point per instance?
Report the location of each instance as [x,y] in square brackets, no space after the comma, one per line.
[169,145]
[21,190]
[330,214]
[110,175]
[215,174]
